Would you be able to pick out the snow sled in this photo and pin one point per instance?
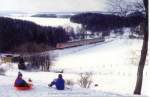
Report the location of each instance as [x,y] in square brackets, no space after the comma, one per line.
[29,87]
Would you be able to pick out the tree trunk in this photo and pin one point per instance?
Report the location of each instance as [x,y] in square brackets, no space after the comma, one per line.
[144,50]
[141,68]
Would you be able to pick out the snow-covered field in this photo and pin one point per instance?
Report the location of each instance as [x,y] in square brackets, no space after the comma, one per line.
[109,62]
[40,89]
[49,21]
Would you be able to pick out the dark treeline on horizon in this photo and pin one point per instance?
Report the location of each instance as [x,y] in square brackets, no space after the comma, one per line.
[19,34]
[102,22]
[14,33]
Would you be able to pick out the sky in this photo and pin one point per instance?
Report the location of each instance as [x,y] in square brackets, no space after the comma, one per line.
[52,5]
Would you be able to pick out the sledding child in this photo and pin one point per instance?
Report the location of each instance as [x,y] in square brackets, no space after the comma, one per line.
[59,83]
[19,82]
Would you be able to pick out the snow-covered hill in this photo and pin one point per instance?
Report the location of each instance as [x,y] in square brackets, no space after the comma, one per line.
[41,89]
[48,21]
[109,62]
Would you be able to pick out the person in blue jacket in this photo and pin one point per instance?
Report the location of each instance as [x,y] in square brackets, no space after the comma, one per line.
[19,82]
[59,83]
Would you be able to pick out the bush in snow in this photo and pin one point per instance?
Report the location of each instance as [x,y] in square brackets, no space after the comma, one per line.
[85,79]
[69,82]
[38,61]
[2,71]
[135,57]
[21,64]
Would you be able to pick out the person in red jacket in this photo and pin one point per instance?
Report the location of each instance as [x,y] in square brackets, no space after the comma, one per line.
[20,82]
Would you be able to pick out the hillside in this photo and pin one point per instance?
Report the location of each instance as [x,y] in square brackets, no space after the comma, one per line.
[90,58]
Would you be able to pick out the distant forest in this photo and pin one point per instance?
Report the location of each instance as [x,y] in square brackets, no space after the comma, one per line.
[103,22]
[17,35]
[24,36]
[51,16]
[45,15]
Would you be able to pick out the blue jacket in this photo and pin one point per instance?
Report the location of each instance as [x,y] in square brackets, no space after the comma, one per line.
[20,82]
[59,83]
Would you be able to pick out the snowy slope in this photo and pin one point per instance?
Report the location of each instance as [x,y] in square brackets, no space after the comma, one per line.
[109,63]
[49,21]
[41,89]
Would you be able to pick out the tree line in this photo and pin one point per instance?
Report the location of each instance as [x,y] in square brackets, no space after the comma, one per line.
[15,33]
[103,22]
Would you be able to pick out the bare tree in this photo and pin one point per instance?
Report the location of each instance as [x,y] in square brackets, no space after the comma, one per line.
[85,79]
[41,61]
[144,50]
[141,6]
[2,71]
[135,57]
[82,32]
[118,7]
[124,7]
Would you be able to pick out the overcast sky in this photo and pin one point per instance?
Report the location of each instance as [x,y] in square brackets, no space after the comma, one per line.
[52,5]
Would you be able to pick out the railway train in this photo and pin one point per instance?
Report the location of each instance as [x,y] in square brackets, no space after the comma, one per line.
[78,43]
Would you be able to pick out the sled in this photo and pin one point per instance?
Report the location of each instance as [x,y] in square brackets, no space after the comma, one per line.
[24,88]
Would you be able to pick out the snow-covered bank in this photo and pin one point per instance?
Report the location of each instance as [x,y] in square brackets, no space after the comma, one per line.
[49,21]
[40,89]
[109,62]
[101,55]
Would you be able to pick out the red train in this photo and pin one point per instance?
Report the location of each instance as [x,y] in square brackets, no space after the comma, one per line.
[79,43]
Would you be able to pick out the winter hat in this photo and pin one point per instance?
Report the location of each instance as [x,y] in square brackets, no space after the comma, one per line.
[19,74]
[60,76]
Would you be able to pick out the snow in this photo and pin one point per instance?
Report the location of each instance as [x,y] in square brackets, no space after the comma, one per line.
[97,55]
[109,62]
[40,89]
[64,22]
